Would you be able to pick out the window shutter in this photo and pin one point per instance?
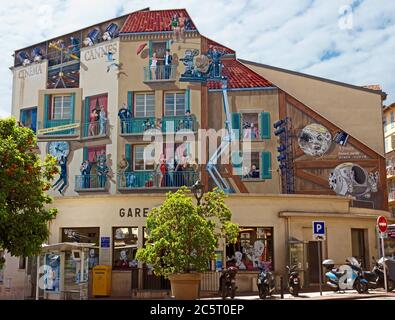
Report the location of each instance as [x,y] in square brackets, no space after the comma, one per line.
[237,163]
[150,57]
[47,115]
[266,167]
[86,116]
[236,123]
[265,125]
[34,120]
[85,154]
[188,100]
[72,107]
[22,117]
[128,156]
[130,102]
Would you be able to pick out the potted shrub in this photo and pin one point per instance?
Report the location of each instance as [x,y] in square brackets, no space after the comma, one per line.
[183,238]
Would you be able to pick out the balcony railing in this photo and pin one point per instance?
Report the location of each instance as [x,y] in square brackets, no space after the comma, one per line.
[160,73]
[137,125]
[179,123]
[95,129]
[54,125]
[91,183]
[150,179]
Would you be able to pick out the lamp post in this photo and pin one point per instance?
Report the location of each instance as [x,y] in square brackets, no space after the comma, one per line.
[197,190]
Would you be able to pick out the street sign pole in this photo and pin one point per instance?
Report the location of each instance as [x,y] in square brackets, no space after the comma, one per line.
[319,266]
[382,226]
[384,264]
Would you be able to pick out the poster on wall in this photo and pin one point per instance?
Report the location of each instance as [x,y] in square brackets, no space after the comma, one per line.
[315,140]
[52,273]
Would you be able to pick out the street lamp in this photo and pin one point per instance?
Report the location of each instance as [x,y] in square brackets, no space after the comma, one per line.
[197,190]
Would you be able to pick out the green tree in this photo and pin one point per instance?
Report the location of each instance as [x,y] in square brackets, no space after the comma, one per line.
[184,236]
[24,178]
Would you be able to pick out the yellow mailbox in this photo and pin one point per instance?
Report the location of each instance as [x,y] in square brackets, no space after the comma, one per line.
[101,281]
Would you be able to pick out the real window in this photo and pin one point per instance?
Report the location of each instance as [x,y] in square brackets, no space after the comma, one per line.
[125,240]
[22,263]
[61,108]
[253,249]
[140,163]
[85,235]
[144,105]
[175,104]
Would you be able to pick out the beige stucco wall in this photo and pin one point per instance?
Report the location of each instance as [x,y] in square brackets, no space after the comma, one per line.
[13,286]
[334,102]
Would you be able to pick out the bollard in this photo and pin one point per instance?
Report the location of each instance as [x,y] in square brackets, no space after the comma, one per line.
[282,287]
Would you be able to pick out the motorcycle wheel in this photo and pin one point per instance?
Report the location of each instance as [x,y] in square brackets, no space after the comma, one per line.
[262,292]
[224,292]
[361,287]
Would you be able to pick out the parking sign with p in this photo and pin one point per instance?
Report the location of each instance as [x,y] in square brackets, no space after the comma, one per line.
[319,231]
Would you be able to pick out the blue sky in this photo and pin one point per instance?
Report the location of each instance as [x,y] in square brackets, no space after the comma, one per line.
[344,40]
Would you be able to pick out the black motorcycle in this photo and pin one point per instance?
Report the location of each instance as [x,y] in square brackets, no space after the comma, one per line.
[228,283]
[266,283]
[293,280]
[375,277]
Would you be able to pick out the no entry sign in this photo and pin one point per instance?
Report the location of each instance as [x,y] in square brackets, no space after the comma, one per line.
[382,224]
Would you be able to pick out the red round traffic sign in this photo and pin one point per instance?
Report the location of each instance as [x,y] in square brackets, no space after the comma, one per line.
[382,224]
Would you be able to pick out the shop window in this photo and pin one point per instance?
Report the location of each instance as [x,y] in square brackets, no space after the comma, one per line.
[144,105]
[139,162]
[125,240]
[61,108]
[85,235]
[253,249]
[28,118]
[175,104]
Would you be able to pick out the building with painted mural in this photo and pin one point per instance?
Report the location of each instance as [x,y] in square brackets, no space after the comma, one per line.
[300,148]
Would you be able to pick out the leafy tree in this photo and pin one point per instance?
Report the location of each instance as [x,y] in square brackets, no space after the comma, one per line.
[24,178]
[184,236]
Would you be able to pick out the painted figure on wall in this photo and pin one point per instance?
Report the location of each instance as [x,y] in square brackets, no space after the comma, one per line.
[315,140]
[102,170]
[124,115]
[351,179]
[63,175]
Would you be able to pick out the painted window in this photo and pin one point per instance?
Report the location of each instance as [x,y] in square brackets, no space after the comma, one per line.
[28,118]
[139,162]
[144,105]
[85,235]
[252,125]
[385,123]
[125,241]
[159,48]
[392,120]
[254,165]
[61,108]
[175,104]
[253,249]
[387,144]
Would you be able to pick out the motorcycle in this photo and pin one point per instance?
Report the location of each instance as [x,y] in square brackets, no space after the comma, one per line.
[347,277]
[266,283]
[293,280]
[228,283]
[375,277]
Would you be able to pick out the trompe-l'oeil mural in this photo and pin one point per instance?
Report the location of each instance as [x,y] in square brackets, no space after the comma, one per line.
[315,140]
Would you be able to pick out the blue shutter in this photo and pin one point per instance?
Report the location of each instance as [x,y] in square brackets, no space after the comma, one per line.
[266,166]
[46,110]
[188,100]
[236,123]
[265,125]
[22,117]
[34,120]
[131,102]
[128,156]
[85,153]
[86,116]
[237,163]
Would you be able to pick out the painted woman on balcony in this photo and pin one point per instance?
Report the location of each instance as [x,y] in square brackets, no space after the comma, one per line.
[93,122]
[102,121]
[154,66]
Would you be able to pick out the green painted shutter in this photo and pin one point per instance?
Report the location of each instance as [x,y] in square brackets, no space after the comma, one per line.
[72,107]
[168,44]
[265,125]
[46,109]
[128,155]
[85,153]
[130,102]
[237,163]
[188,100]
[86,116]
[266,166]
[236,123]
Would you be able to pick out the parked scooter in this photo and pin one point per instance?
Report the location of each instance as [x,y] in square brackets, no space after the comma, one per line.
[347,277]
[293,280]
[266,283]
[228,283]
[376,276]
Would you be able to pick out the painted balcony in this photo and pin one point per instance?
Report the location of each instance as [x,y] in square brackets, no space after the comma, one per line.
[91,183]
[55,129]
[136,126]
[179,123]
[160,74]
[96,129]
[130,181]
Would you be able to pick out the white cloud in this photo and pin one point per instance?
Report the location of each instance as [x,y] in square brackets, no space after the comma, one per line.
[292,34]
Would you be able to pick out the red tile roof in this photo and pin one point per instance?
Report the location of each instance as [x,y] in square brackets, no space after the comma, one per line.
[239,76]
[152,21]
[220,46]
